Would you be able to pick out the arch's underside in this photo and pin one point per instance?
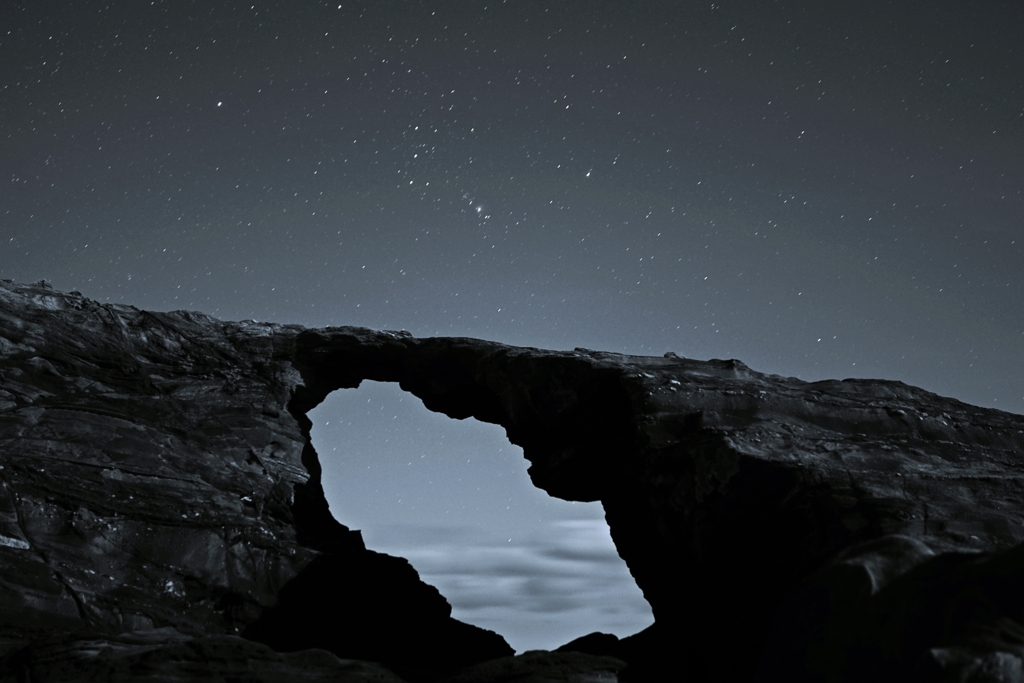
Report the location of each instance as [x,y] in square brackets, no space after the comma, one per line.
[161,497]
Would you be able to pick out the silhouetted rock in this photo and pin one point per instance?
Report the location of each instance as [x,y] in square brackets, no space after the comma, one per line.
[166,656]
[539,666]
[157,477]
[597,643]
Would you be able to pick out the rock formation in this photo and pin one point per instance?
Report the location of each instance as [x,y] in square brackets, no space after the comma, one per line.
[161,514]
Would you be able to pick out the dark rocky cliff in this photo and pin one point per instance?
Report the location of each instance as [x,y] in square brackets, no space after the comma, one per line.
[161,516]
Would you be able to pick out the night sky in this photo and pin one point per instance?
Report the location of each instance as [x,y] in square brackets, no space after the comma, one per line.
[820,190]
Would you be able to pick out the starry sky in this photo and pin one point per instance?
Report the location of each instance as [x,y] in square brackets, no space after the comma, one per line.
[819,190]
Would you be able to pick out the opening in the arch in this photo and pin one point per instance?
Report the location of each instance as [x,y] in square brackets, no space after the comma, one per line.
[453,497]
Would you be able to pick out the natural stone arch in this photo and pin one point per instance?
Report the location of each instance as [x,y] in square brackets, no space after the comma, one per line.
[772,523]
[571,416]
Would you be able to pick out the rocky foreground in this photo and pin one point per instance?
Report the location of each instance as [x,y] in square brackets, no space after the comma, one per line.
[162,518]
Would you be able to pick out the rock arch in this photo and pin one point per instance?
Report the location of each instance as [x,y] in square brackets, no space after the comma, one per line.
[158,479]
[571,420]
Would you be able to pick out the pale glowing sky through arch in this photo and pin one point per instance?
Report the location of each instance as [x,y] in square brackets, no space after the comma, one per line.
[453,497]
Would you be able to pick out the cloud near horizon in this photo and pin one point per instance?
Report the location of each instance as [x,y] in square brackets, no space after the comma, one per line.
[538,592]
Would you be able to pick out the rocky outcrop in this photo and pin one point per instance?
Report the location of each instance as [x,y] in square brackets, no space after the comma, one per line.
[157,478]
[166,656]
[153,476]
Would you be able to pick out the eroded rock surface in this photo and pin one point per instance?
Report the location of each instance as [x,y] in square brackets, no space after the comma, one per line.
[157,477]
[152,476]
[166,656]
[538,666]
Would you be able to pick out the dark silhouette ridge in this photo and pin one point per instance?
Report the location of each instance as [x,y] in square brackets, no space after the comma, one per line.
[160,497]
[405,626]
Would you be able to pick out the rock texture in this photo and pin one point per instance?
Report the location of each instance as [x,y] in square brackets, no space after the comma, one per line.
[543,667]
[168,656]
[160,502]
[153,476]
